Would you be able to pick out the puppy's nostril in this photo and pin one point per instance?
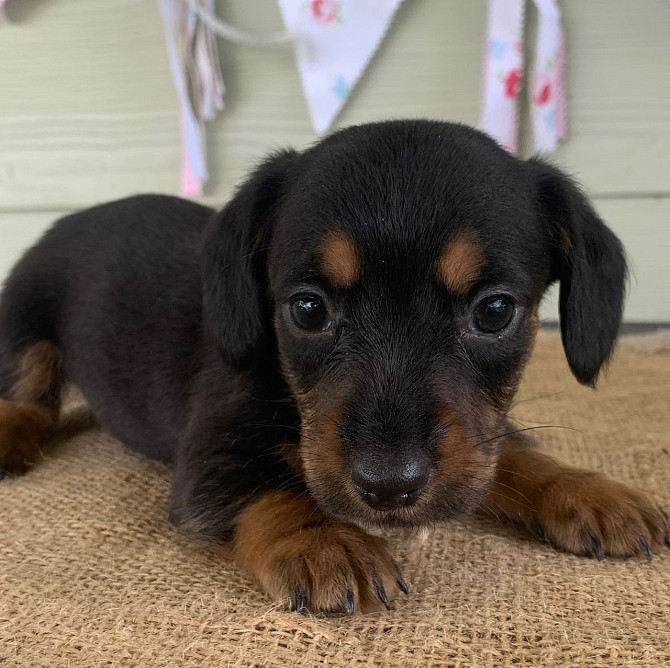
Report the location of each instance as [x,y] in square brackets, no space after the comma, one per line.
[391,489]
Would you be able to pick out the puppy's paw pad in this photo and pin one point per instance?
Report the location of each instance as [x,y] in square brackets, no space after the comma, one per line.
[332,569]
[590,514]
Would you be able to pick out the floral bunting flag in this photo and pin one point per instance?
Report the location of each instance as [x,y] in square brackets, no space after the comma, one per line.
[334,42]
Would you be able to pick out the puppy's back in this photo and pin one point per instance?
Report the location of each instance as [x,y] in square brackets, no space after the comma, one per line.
[116,289]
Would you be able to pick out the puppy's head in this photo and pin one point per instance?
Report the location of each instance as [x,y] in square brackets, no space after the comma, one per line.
[396,270]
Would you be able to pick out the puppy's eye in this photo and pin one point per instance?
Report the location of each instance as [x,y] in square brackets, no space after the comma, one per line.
[310,313]
[493,314]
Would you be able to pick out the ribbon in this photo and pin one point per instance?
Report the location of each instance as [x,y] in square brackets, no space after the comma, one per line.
[504,74]
[228,32]
[194,63]
[503,71]
[547,97]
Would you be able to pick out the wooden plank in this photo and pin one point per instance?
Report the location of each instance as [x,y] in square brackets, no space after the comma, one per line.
[88,113]
[643,225]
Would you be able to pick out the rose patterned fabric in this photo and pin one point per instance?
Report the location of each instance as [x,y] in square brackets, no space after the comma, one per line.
[503,71]
[504,75]
[547,99]
[335,40]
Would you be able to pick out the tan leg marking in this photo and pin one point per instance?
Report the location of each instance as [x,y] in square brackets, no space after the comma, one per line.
[579,511]
[29,419]
[298,555]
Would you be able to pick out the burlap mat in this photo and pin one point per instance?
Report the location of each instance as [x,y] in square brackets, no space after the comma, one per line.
[91,574]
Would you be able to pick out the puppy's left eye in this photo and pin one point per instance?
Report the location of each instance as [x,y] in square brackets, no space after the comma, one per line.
[493,314]
[310,313]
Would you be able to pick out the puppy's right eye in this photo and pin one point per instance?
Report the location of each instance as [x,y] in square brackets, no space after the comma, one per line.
[310,313]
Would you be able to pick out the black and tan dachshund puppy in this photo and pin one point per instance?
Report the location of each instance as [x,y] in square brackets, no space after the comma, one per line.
[332,353]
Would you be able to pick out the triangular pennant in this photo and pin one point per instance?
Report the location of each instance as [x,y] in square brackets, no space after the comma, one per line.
[335,40]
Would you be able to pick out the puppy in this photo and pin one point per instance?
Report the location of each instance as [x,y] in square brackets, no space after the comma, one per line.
[335,351]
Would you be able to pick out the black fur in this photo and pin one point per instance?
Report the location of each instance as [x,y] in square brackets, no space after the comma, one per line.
[175,322]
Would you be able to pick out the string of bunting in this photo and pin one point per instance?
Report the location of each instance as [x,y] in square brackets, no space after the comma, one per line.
[333,42]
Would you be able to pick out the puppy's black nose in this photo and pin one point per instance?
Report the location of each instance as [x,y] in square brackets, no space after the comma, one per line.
[391,487]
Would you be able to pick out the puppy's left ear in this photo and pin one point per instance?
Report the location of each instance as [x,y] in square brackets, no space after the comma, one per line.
[589,262]
[234,272]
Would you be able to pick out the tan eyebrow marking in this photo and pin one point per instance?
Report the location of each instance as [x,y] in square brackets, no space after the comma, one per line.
[340,259]
[460,264]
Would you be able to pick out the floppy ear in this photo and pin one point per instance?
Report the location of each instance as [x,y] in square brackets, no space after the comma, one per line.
[589,262]
[234,274]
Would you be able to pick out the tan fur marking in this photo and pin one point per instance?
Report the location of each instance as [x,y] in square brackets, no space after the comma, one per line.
[460,264]
[29,419]
[340,260]
[460,455]
[326,457]
[579,511]
[39,377]
[23,430]
[285,542]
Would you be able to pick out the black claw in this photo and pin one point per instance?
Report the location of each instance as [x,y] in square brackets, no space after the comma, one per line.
[667,539]
[538,530]
[402,584]
[597,547]
[646,549]
[350,601]
[300,600]
[381,592]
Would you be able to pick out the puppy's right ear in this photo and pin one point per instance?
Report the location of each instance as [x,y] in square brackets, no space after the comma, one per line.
[234,268]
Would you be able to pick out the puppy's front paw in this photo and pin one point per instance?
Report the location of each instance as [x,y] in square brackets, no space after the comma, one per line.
[314,563]
[590,514]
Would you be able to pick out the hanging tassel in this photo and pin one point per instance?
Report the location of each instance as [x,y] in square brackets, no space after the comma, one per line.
[196,73]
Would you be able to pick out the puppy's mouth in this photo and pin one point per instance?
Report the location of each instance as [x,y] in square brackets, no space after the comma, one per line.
[440,501]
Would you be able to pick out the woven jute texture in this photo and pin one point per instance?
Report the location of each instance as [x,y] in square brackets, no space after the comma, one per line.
[92,575]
